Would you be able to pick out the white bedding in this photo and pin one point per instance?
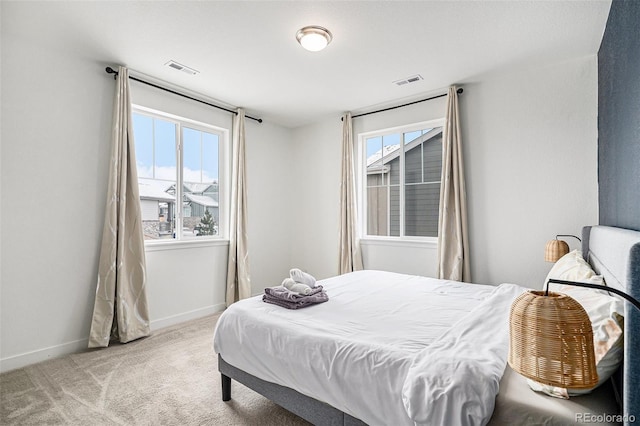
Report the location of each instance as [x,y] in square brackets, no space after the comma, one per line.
[369,349]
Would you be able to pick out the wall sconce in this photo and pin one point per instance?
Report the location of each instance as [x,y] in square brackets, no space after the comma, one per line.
[556,248]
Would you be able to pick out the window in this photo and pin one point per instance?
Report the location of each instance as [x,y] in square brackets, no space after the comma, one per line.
[400,180]
[178,163]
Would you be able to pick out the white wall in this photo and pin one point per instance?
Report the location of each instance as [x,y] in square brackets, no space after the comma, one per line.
[406,257]
[185,282]
[271,208]
[56,127]
[531,156]
[315,197]
[530,147]
[55,140]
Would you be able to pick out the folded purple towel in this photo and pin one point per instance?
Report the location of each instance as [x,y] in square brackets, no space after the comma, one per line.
[287,299]
[284,293]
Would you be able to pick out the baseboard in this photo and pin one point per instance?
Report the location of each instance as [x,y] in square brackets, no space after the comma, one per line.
[186,316]
[39,355]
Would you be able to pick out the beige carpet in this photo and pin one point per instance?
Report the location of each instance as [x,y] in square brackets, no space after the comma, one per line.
[170,378]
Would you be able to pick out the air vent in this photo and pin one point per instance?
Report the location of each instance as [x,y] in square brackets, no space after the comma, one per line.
[175,65]
[408,80]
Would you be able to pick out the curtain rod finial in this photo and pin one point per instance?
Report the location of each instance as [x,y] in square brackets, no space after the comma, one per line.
[460,90]
[110,70]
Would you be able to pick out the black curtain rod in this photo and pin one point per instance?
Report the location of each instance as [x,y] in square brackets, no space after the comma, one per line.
[110,70]
[460,90]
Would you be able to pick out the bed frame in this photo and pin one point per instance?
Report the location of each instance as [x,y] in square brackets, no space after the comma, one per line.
[312,410]
[613,253]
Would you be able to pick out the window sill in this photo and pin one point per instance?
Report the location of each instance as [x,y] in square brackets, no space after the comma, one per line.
[150,246]
[400,242]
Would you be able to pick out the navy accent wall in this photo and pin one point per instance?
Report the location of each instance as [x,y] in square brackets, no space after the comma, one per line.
[619,117]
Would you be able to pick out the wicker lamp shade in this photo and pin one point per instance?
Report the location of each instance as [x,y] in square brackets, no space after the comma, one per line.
[554,250]
[551,340]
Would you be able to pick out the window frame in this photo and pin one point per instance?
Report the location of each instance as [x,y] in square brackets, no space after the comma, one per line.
[224,177]
[361,183]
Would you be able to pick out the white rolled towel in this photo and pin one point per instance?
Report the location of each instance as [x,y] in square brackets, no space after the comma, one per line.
[295,287]
[302,277]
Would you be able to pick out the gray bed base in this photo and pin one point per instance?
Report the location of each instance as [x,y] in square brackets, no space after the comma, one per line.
[308,408]
[615,254]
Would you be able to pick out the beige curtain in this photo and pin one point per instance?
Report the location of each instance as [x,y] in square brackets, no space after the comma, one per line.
[453,240]
[120,310]
[238,280]
[350,256]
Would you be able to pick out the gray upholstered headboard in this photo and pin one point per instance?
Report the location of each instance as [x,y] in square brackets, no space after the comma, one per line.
[615,254]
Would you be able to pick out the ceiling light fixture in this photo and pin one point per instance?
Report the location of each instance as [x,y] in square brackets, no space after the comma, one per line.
[314,38]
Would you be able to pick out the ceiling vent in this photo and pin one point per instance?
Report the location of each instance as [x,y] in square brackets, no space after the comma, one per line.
[173,64]
[408,80]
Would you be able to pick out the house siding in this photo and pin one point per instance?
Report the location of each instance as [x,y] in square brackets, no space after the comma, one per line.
[423,167]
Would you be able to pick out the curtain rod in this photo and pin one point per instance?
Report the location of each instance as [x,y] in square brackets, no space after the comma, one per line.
[460,90]
[110,70]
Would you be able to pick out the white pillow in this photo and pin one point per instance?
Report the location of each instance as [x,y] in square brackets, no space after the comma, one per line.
[571,267]
[605,313]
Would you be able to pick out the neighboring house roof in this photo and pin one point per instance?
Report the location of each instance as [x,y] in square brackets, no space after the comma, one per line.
[196,188]
[376,156]
[203,200]
[151,189]
[376,161]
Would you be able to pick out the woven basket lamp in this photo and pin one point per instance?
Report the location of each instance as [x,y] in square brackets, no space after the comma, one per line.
[551,340]
[555,249]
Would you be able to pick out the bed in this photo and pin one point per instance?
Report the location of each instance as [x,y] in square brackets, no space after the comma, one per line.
[410,345]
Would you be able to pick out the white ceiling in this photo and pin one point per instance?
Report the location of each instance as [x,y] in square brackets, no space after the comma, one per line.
[247,54]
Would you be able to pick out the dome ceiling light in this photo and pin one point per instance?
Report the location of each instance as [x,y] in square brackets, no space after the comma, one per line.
[314,38]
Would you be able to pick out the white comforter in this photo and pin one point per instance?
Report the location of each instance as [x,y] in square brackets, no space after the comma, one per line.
[386,348]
